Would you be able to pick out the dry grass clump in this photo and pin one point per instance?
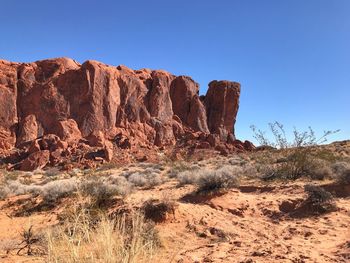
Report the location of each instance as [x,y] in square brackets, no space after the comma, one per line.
[320,200]
[122,239]
[206,180]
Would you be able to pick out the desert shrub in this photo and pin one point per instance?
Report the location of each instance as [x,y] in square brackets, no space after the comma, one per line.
[211,180]
[14,188]
[300,138]
[11,175]
[31,242]
[98,191]
[177,168]
[55,190]
[319,199]
[248,170]
[121,239]
[122,185]
[216,180]
[299,158]
[320,170]
[345,177]
[342,172]
[326,155]
[299,162]
[144,179]
[340,167]
[50,192]
[159,166]
[4,192]
[235,161]
[17,188]
[188,177]
[54,171]
[106,166]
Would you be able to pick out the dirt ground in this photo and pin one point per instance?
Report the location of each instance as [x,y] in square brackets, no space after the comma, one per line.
[251,223]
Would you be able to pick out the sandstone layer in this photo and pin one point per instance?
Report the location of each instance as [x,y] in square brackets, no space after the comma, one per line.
[54,106]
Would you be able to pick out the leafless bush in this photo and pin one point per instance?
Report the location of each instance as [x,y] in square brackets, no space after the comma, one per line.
[180,167]
[300,138]
[29,241]
[236,161]
[249,171]
[50,192]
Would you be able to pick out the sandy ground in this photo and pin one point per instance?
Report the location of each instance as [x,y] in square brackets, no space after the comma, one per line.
[246,224]
[243,225]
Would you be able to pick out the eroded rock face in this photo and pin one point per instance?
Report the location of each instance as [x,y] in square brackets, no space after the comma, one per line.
[8,105]
[221,102]
[93,100]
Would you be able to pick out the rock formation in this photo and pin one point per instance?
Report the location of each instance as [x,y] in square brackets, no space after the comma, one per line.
[106,106]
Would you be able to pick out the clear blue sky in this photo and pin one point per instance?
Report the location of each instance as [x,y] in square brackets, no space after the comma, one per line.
[292,57]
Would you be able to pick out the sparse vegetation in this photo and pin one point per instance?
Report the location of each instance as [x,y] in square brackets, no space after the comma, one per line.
[280,141]
[342,172]
[299,158]
[29,240]
[222,179]
[146,179]
[55,190]
[122,239]
[211,180]
[99,192]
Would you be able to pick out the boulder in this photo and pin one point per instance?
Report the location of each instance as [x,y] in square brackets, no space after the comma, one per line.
[28,130]
[68,131]
[36,160]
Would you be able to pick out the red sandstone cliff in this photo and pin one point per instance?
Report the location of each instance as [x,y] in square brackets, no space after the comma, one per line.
[97,102]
